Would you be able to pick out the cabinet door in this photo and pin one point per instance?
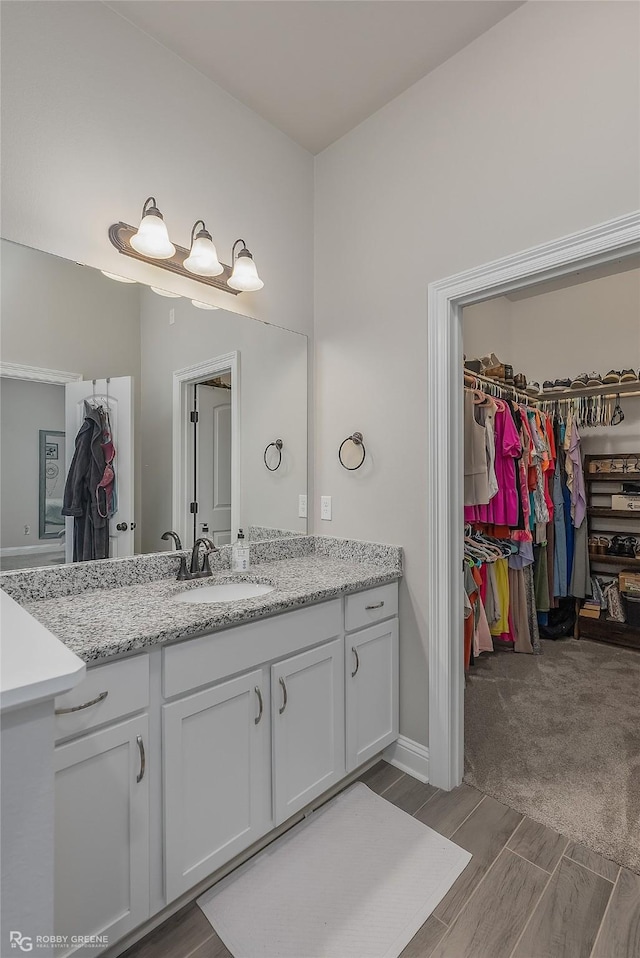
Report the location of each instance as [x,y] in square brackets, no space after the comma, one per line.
[371,677]
[102,833]
[307,693]
[217,779]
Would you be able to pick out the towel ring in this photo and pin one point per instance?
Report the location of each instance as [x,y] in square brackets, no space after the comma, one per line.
[357,440]
[277,445]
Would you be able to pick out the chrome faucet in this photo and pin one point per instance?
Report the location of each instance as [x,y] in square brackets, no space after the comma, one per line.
[195,572]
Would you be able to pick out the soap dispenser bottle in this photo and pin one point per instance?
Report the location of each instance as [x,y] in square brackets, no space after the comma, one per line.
[240,554]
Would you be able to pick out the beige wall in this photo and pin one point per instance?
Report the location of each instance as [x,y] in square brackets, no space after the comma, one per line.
[26,408]
[530,133]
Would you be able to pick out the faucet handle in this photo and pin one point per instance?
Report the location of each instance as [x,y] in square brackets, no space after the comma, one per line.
[183,572]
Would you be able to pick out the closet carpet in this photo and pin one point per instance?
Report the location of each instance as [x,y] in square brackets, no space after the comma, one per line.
[557,737]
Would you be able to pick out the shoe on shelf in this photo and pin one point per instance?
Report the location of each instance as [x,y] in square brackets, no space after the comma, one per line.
[520,381]
[612,377]
[548,386]
[594,379]
[579,382]
[533,389]
[628,376]
[473,365]
[560,385]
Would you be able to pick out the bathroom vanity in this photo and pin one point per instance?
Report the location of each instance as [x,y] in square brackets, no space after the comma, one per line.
[201,728]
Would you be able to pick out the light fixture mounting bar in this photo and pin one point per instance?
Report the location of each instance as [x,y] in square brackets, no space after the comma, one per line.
[120,235]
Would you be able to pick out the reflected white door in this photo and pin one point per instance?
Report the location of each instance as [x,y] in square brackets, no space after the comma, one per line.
[117,395]
[214,464]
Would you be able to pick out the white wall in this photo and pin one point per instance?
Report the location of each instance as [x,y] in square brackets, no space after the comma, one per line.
[96,116]
[26,408]
[273,404]
[530,133]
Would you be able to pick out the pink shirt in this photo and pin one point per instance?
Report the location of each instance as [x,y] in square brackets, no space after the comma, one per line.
[502,510]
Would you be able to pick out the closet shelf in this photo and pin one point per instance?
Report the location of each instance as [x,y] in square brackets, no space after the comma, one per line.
[606,630]
[610,390]
[601,512]
[614,560]
[612,477]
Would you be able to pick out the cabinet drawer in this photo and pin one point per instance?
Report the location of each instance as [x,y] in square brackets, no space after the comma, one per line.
[203,661]
[126,684]
[365,608]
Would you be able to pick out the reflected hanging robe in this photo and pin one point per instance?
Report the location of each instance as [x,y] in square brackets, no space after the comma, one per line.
[90,529]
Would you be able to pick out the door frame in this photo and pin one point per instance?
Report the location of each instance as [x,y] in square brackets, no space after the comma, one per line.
[182,380]
[614,239]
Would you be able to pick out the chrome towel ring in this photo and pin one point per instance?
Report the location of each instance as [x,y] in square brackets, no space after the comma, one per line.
[277,445]
[357,440]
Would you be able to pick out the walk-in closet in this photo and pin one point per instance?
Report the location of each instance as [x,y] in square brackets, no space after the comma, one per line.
[552,554]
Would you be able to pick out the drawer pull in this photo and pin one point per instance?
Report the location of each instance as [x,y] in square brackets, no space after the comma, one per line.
[284,696]
[85,705]
[261,703]
[143,760]
[355,671]
[378,605]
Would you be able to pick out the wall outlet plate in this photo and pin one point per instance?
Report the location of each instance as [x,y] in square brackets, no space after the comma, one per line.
[302,507]
[325,507]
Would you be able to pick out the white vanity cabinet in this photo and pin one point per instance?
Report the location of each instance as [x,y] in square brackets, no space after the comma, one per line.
[249,724]
[371,673]
[217,777]
[102,807]
[308,726]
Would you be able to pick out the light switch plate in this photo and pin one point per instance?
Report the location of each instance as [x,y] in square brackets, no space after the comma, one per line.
[302,507]
[172,317]
[325,507]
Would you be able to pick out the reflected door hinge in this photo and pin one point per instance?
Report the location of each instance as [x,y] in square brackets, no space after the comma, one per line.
[193,507]
[193,415]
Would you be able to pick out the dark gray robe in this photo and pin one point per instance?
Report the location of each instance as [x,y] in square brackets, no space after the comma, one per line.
[90,529]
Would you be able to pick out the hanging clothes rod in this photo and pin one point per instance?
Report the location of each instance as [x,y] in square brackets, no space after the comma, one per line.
[495,388]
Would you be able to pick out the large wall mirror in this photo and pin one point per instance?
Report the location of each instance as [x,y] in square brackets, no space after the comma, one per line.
[163,416]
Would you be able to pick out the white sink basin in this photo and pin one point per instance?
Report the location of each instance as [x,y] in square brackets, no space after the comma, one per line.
[225,592]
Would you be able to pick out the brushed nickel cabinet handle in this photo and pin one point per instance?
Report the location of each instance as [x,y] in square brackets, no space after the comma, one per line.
[378,605]
[85,705]
[143,760]
[261,703]
[284,696]
[355,671]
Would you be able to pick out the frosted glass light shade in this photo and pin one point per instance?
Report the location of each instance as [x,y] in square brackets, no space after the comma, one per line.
[245,275]
[152,238]
[164,292]
[118,278]
[196,302]
[203,258]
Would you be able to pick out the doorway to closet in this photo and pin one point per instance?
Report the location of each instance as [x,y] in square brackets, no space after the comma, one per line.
[604,243]
[552,554]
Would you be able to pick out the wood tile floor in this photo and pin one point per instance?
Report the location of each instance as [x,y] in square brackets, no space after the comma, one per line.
[528,892]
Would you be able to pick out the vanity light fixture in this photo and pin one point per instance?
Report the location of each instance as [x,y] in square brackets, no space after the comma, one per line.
[203,258]
[150,244]
[151,238]
[118,279]
[196,302]
[245,275]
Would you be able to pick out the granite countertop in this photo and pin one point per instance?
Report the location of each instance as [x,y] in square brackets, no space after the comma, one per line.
[100,623]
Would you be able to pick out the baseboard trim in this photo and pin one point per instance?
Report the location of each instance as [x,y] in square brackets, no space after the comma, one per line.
[409,756]
[32,550]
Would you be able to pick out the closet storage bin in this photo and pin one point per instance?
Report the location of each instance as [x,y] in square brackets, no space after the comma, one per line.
[632,609]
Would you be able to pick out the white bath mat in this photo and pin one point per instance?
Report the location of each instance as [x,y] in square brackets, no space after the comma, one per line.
[356,879]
